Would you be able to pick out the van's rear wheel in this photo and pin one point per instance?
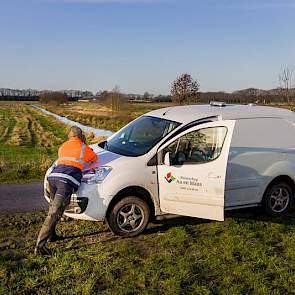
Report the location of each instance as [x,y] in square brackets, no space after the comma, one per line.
[129,217]
[278,199]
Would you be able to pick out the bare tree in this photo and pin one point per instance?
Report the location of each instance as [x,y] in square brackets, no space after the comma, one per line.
[146,96]
[286,82]
[184,89]
[115,99]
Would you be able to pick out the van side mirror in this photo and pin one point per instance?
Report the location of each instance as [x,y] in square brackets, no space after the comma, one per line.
[167,159]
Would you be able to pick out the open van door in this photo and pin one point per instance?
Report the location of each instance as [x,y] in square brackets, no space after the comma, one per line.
[192,169]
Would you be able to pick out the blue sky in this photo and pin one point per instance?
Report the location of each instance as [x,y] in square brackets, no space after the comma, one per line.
[142,45]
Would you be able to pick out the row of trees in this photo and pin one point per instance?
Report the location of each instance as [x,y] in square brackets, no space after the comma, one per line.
[185,90]
[33,94]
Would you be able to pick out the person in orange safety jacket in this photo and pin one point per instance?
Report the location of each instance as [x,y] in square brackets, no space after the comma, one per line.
[64,179]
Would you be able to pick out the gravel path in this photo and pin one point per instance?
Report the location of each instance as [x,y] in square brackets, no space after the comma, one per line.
[22,197]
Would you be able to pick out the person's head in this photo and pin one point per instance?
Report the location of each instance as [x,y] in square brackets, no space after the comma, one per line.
[202,147]
[75,131]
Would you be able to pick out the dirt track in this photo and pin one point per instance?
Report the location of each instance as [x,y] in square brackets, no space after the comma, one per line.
[22,197]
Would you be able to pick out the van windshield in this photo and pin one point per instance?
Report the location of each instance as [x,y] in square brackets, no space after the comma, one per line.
[140,136]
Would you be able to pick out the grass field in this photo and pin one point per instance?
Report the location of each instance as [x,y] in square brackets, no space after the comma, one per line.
[28,142]
[99,116]
[29,139]
[249,253]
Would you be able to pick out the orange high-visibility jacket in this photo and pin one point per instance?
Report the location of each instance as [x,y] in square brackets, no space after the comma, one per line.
[75,153]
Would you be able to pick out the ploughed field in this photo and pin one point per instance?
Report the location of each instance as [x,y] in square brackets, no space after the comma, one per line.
[29,139]
[249,253]
[28,142]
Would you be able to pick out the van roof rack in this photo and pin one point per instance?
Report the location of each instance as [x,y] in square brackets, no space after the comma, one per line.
[217,103]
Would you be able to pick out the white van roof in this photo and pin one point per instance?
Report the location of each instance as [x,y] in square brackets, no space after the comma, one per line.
[189,113]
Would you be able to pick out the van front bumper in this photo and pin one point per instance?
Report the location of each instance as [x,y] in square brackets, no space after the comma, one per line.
[88,203]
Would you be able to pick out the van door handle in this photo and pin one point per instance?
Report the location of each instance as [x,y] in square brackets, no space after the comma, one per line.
[214,175]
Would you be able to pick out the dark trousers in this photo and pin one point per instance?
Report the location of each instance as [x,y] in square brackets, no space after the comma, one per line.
[60,196]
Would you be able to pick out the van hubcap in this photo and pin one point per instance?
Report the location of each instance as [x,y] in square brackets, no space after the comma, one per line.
[279,199]
[130,218]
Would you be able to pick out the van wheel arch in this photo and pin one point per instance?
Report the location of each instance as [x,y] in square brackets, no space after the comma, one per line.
[282,179]
[136,191]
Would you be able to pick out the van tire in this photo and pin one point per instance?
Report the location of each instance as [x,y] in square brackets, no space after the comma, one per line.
[129,217]
[279,193]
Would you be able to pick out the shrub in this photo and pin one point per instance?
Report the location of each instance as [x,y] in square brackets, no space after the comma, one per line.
[54,98]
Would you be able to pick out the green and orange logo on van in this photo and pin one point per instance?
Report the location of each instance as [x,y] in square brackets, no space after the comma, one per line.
[169,177]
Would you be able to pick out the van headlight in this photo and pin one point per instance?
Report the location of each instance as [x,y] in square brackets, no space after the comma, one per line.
[96,175]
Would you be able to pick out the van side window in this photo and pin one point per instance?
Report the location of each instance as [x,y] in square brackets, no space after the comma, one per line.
[263,133]
[199,146]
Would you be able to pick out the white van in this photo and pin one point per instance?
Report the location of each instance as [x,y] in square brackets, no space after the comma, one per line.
[195,160]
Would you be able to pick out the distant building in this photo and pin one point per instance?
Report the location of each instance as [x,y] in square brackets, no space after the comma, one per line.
[146,97]
[133,96]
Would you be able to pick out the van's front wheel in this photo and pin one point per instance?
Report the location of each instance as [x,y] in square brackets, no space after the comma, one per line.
[129,217]
[278,199]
